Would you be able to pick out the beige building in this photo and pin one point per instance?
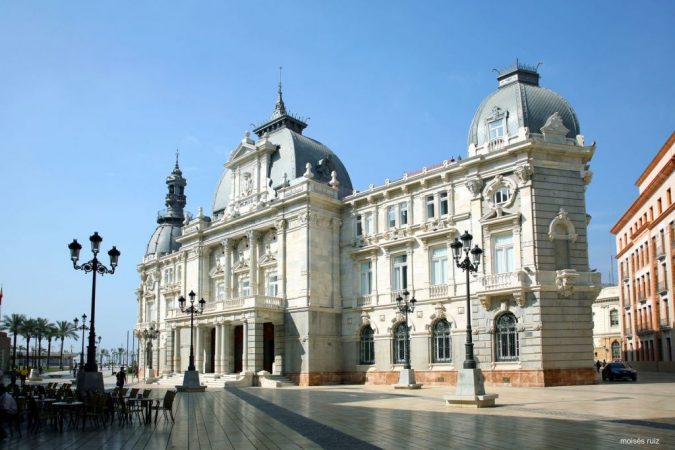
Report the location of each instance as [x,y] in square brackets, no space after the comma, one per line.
[645,242]
[606,325]
[300,272]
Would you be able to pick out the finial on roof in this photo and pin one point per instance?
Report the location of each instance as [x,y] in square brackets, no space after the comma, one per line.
[279,108]
[176,157]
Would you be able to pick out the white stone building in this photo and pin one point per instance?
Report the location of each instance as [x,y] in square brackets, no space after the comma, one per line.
[606,325]
[299,269]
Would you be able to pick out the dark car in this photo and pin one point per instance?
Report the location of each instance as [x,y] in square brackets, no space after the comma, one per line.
[618,371]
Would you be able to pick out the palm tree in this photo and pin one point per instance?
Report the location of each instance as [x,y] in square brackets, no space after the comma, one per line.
[13,324]
[65,329]
[120,351]
[104,354]
[41,329]
[49,335]
[28,331]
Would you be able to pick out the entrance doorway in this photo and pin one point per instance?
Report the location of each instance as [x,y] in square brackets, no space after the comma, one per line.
[211,367]
[238,347]
[268,346]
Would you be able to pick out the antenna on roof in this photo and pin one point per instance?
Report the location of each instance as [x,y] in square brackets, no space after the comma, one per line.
[538,64]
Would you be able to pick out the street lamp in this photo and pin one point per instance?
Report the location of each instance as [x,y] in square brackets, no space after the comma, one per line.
[83,328]
[470,390]
[191,377]
[406,378]
[149,336]
[468,265]
[95,267]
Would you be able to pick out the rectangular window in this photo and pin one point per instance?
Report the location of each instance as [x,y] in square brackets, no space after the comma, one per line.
[439,265]
[366,278]
[400,275]
[220,291]
[431,212]
[496,129]
[244,287]
[272,284]
[391,217]
[368,223]
[403,213]
[359,226]
[444,204]
[503,253]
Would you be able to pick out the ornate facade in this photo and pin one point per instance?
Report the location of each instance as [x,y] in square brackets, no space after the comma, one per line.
[301,272]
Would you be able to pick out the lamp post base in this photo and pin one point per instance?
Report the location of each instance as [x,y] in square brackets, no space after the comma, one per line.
[406,380]
[191,382]
[90,382]
[470,391]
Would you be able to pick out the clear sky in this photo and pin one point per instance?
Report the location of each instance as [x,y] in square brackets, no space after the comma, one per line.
[96,96]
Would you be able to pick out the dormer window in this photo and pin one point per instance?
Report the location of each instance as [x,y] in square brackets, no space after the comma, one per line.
[496,129]
[502,195]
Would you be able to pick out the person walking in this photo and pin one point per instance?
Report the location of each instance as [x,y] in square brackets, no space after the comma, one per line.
[121,378]
[597,366]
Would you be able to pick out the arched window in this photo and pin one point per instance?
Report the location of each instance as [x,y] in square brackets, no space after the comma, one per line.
[442,342]
[400,343]
[367,353]
[614,318]
[506,333]
[616,350]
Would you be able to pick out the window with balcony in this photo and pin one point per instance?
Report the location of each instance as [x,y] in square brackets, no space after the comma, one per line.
[359,225]
[439,265]
[272,283]
[220,291]
[614,318]
[391,217]
[506,334]
[496,129]
[400,343]
[502,253]
[366,277]
[367,346]
[400,272]
[442,342]
[368,224]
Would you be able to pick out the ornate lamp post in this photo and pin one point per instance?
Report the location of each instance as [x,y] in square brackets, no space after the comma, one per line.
[83,327]
[191,377]
[407,376]
[470,388]
[95,267]
[149,336]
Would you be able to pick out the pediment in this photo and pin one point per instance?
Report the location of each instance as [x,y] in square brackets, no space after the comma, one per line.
[242,150]
[498,215]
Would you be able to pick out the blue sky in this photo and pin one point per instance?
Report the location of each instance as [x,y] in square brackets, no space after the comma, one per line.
[95,98]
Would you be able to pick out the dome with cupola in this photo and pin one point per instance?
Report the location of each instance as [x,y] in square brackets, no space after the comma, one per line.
[519,104]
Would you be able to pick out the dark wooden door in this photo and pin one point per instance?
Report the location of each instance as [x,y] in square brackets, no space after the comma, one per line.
[238,347]
[268,346]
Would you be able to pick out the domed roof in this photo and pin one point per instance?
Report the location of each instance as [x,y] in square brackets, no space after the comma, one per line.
[294,151]
[163,240]
[523,103]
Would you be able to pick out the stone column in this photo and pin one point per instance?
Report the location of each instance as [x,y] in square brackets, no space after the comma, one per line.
[227,266]
[244,356]
[198,349]
[176,350]
[255,345]
[252,236]
[218,361]
[281,226]
[225,348]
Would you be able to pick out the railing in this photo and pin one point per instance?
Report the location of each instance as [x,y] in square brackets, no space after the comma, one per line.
[496,144]
[438,290]
[505,280]
[662,287]
[665,324]
[364,300]
[396,293]
[254,301]
[660,251]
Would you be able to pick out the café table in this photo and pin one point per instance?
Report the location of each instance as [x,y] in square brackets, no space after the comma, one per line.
[63,408]
[146,404]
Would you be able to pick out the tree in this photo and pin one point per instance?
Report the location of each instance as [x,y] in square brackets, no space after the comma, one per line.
[49,335]
[13,324]
[64,330]
[41,330]
[120,352]
[28,331]
[104,354]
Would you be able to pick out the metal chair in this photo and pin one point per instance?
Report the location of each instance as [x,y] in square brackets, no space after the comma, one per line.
[166,405]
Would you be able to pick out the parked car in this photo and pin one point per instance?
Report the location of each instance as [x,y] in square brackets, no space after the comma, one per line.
[618,371]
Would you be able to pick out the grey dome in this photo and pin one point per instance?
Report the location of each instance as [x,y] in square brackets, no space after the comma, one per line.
[294,151]
[525,104]
[163,240]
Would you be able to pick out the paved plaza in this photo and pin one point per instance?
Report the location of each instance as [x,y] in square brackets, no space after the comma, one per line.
[608,415]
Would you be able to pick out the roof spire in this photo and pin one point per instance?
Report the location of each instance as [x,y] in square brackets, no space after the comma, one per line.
[177,158]
[279,108]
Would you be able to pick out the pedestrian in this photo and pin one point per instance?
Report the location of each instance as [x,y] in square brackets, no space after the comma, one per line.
[8,409]
[597,366]
[121,378]
[75,369]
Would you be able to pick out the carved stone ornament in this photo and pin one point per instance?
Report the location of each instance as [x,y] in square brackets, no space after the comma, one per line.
[565,280]
[439,313]
[281,224]
[334,183]
[496,183]
[561,227]
[587,176]
[554,125]
[308,171]
[524,173]
[474,185]
[365,319]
